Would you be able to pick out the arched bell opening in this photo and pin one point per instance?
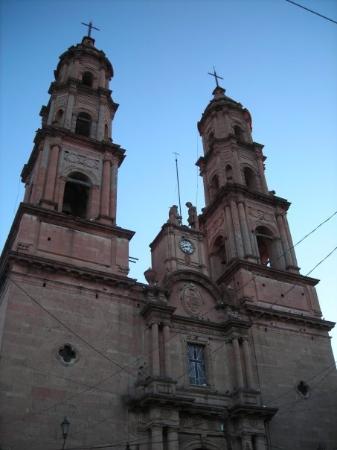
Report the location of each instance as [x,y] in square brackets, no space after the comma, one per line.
[87,79]
[106,132]
[266,244]
[229,173]
[76,195]
[214,186]
[58,117]
[238,132]
[83,124]
[250,178]
[218,257]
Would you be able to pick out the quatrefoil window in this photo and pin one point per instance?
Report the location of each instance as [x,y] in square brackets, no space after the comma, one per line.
[67,354]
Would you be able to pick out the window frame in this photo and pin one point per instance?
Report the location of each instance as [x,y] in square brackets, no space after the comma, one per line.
[196,366]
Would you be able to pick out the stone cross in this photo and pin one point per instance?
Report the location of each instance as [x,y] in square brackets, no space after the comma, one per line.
[216,76]
[90,27]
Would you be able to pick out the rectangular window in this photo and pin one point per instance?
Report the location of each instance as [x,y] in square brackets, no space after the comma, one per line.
[196,364]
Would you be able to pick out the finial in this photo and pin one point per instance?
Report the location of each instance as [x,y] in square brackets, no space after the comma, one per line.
[90,27]
[216,76]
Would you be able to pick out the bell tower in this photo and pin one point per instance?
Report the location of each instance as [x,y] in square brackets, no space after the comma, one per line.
[71,177]
[243,220]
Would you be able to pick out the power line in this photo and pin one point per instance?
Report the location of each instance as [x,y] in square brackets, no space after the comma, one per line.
[122,368]
[312,11]
[67,327]
[321,261]
[330,367]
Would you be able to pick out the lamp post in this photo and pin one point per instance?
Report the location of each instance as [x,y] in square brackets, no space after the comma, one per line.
[65,430]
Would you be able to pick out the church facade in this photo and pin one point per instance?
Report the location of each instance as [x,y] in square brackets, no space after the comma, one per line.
[225,346]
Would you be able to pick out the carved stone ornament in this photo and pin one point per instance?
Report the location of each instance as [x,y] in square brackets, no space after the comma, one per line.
[191,299]
[76,161]
[260,215]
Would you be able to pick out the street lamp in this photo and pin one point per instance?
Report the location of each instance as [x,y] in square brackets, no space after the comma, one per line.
[65,430]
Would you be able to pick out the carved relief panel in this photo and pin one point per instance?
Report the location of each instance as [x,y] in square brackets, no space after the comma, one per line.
[74,161]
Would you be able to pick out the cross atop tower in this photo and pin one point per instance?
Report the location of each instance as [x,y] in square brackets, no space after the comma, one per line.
[90,27]
[216,76]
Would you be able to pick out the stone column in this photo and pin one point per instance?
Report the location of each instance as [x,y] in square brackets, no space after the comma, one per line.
[100,124]
[69,110]
[155,350]
[102,77]
[157,437]
[290,241]
[246,442]
[76,72]
[230,233]
[259,155]
[260,442]
[51,111]
[238,364]
[245,232]
[248,364]
[61,186]
[113,190]
[284,240]
[51,173]
[166,331]
[236,168]
[105,194]
[237,231]
[94,202]
[172,439]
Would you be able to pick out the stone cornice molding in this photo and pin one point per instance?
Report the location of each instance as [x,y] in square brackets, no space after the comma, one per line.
[181,228]
[223,103]
[58,218]
[74,83]
[50,131]
[270,311]
[258,411]
[196,277]
[76,51]
[157,311]
[234,190]
[268,272]
[61,267]
[255,147]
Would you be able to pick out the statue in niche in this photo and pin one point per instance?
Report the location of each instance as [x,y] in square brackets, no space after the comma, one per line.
[193,220]
[174,217]
[143,373]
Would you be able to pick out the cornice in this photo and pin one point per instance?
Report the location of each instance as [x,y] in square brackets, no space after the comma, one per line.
[76,223]
[196,277]
[58,218]
[230,138]
[180,228]
[218,105]
[268,272]
[163,309]
[53,131]
[76,51]
[287,316]
[62,267]
[57,86]
[236,189]
[252,410]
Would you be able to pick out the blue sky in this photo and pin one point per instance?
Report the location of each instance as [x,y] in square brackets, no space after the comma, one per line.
[276,59]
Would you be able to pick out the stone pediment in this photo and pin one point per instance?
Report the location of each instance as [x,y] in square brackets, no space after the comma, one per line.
[194,295]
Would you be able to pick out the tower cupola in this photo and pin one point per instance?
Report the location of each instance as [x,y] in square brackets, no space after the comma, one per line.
[230,154]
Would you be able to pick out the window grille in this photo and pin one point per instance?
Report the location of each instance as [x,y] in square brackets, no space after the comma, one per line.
[196,364]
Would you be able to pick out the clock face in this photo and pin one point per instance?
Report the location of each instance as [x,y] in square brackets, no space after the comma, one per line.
[186,246]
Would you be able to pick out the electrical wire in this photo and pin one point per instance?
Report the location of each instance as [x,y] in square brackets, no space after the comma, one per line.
[67,327]
[223,344]
[312,11]
[122,368]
